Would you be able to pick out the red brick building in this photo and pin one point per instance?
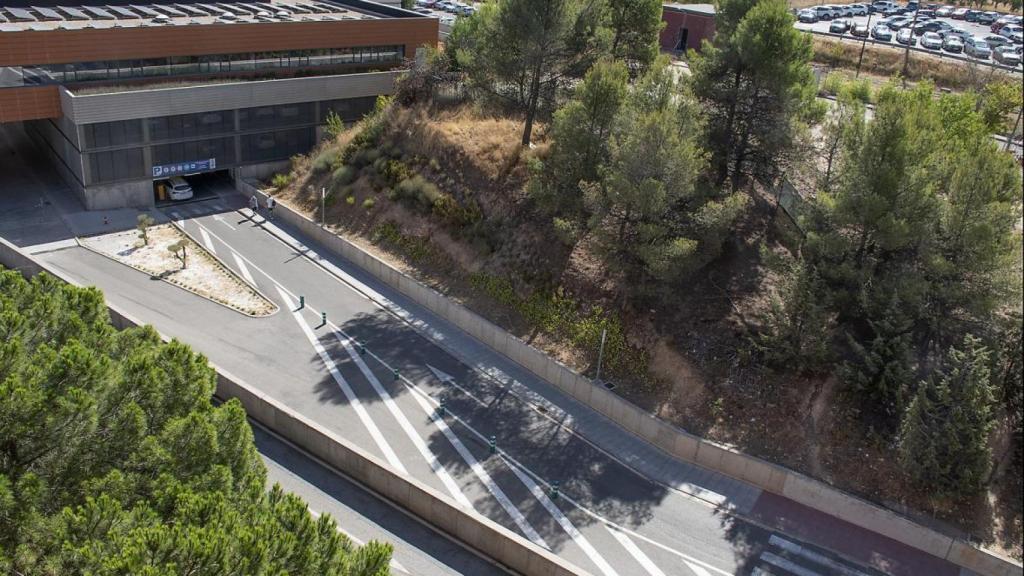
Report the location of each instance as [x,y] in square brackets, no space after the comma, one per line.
[687,25]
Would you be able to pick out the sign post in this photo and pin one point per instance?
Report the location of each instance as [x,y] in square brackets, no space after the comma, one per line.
[323,207]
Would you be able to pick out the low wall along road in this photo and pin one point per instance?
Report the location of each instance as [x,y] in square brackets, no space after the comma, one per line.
[475,531]
[670,439]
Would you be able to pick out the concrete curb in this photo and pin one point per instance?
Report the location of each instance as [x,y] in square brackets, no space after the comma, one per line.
[477,532]
[670,439]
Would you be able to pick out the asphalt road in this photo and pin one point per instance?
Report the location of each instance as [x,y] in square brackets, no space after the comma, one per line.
[822,27]
[608,518]
[362,515]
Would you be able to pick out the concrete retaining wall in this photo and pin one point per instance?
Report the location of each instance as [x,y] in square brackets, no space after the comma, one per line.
[475,531]
[668,438]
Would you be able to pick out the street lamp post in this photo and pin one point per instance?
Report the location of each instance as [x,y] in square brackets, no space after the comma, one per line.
[863,45]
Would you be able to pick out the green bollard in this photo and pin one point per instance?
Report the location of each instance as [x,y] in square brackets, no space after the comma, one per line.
[362,350]
[554,490]
[302,302]
[395,372]
[442,407]
[492,444]
[323,320]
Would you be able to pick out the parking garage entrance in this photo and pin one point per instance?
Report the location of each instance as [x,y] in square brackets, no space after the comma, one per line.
[204,186]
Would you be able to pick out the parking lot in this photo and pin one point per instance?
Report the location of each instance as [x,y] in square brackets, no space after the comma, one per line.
[972,28]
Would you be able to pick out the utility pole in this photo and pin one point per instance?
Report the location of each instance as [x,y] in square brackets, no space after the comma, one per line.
[1013,131]
[864,44]
[600,355]
[906,52]
[323,207]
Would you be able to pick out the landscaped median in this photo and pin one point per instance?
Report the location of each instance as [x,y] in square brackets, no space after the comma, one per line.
[668,438]
[165,252]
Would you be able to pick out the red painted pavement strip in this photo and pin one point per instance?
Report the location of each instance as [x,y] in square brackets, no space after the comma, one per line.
[853,542]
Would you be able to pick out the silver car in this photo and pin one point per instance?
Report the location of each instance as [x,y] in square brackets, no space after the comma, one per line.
[931,41]
[1006,55]
[953,44]
[977,48]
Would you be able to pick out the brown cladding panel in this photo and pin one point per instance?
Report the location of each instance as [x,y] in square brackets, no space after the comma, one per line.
[65,46]
[33,103]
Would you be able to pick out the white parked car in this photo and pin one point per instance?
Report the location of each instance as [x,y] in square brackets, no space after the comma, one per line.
[809,16]
[931,41]
[953,44]
[859,9]
[977,48]
[179,189]
[945,11]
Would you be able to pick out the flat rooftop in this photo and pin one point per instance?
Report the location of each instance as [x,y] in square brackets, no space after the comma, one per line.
[13,19]
[702,9]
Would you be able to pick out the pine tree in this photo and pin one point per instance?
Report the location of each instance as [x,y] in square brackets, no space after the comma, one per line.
[755,81]
[635,25]
[944,436]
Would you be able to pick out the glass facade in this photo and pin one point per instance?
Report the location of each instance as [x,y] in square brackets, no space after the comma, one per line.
[192,65]
[125,149]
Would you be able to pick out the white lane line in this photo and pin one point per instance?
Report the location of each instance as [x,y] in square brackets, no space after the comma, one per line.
[701,567]
[635,552]
[482,474]
[221,219]
[394,563]
[813,556]
[243,269]
[690,560]
[353,400]
[565,523]
[417,441]
[788,565]
[207,241]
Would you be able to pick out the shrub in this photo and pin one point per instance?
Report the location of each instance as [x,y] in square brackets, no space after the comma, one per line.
[329,159]
[343,176]
[418,191]
[565,230]
[281,180]
[350,200]
[369,203]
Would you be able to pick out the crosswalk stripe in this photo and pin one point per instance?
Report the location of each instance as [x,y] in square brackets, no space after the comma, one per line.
[353,400]
[414,437]
[813,556]
[635,552]
[787,564]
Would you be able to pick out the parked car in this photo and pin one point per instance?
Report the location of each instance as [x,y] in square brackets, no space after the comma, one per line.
[1004,20]
[945,11]
[178,188]
[972,15]
[930,26]
[1017,38]
[995,40]
[881,33]
[931,41]
[959,13]
[911,7]
[977,48]
[898,22]
[859,9]
[824,12]
[1009,30]
[958,32]
[988,17]
[808,16]
[839,26]
[880,6]
[906,37]
[860,30]
[953,44]
[1006,55]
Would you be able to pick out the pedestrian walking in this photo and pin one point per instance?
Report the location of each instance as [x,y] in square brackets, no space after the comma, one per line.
[270,206]
[254,205]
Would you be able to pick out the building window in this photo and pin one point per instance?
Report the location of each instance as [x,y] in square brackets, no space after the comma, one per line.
[116,165]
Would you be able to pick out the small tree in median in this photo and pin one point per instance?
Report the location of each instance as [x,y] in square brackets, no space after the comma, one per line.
[179,251]
[144,222]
